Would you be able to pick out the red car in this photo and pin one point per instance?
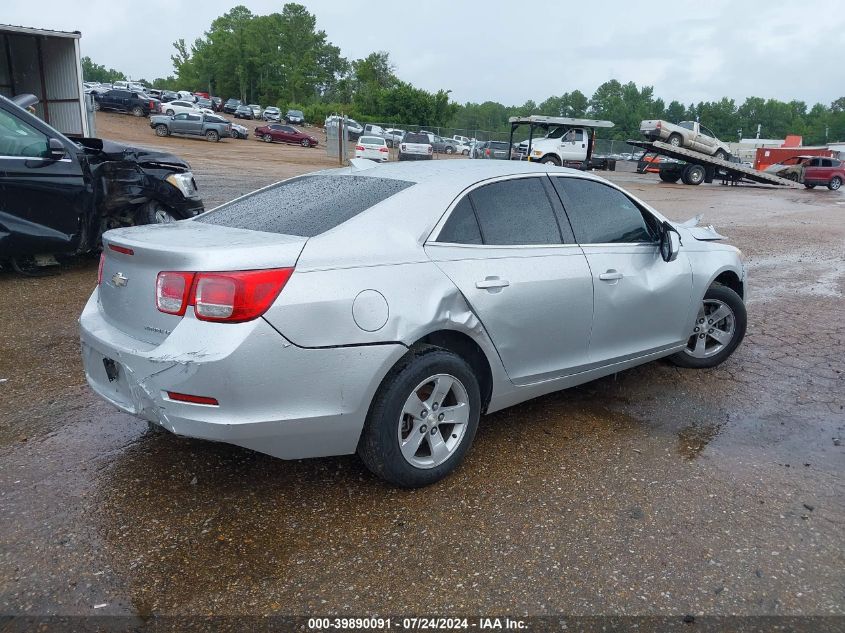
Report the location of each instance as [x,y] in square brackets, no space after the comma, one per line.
[819,170]
[285,134]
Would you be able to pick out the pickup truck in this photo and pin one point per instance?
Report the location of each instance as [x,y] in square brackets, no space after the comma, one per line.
[687,134]
[212,127]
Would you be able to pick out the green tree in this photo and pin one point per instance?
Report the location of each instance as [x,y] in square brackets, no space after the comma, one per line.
[96,72]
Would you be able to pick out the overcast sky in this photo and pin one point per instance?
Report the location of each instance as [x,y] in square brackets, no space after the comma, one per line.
[511,51]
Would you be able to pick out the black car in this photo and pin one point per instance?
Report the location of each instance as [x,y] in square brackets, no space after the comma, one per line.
[295,116]
[57,196]
[231,105]
[168,95]
[202,102]
[216,104]
[137,103]
[243,112]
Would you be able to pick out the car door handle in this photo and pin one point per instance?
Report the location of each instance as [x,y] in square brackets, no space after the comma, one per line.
[492,283]
[611,275]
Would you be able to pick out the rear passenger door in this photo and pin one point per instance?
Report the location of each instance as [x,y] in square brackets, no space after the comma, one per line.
[641,301]
[522,274]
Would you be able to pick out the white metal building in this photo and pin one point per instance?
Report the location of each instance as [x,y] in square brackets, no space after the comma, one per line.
[46,64]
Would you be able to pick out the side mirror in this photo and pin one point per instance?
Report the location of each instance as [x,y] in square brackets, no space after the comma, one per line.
[670,243]
[56,149]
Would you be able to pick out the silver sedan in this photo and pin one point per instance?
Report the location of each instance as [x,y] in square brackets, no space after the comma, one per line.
[382,309]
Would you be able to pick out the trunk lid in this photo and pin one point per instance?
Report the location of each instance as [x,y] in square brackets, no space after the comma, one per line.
[127,291]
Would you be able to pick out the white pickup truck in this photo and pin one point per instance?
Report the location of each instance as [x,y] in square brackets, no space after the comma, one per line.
[688,134]
[565,141]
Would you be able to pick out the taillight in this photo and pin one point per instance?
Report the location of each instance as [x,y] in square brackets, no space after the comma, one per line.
[172,290]
[658,125]
[383,149]
[430,149]
[100,268]
[487,152]
[359,148]
[230,297]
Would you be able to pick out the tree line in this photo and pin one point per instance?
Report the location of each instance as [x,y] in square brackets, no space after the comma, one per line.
[283,59]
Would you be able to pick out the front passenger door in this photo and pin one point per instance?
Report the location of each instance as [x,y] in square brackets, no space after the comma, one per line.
[641,302]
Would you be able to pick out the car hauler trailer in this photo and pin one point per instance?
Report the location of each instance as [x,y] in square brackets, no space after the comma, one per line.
[566,142]
[696,168]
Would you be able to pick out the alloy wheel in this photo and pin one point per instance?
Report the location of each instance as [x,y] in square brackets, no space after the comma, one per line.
[714,329]
[433,421]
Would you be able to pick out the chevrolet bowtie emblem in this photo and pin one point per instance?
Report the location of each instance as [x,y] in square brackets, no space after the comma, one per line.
[119,280]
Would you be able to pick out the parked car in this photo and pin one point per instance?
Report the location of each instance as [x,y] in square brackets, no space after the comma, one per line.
[475,148]
[244,112]
[272,113]
[812,171]
[186,95]
[295,116]
[231,105]
[688,134]
[353,128]
[416,146]
[372,147]
[204,103]
[256,110]
[496,149]
[211,126]
[58,194]
[239,131]
[393,136]
[285,134]
[168,95]
[347,280]
[181,107]
[217,104]
[136,103]
[443,145]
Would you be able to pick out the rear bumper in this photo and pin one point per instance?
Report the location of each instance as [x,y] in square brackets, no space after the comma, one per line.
[274,397]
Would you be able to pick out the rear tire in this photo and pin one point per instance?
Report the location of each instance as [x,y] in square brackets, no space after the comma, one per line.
[693,175]
[138,111]
[676,140]
[809,186]
[835,183]
[667,176]
[734,323]
[211,135]
[387,445]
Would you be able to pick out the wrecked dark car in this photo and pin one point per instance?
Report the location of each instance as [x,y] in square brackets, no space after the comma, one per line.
[57,195]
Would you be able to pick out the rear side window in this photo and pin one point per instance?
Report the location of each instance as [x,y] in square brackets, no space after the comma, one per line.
[600,214]
[514,212]
[305,206]
[462,226]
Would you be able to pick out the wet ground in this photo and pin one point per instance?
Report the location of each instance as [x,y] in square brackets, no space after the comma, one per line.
[658,491]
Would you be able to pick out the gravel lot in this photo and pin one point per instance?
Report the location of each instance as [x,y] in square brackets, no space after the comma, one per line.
[658,491]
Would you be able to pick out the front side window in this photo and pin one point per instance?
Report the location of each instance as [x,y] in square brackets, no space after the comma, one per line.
[181,117]
[515,212]
[21,139]
[600,214]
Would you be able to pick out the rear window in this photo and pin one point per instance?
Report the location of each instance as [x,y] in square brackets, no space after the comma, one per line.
[416,138]
[371,140]
[305,206]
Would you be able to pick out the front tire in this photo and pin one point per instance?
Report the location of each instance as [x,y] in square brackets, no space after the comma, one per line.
[554,160]
[267,138]
[422,420]
[155,212]
[305,143]
[718,330]
[835,183]
[720,155]
[161,130]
